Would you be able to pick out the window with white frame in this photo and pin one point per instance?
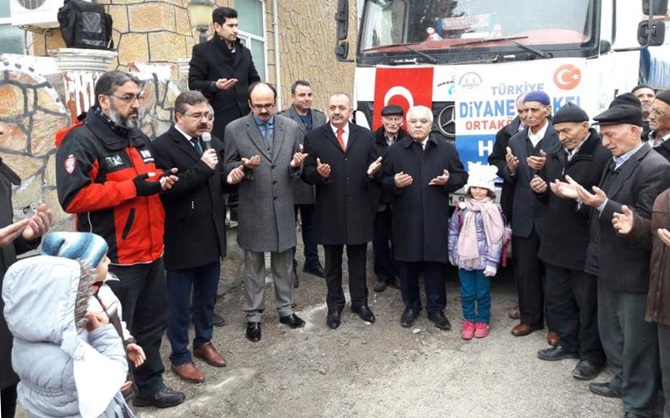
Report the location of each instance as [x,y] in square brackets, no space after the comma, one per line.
[251,19]
[11,37]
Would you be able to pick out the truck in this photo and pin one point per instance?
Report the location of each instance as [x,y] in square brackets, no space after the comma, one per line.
[468,60]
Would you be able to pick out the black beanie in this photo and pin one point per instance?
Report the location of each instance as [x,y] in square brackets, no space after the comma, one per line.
[570,113]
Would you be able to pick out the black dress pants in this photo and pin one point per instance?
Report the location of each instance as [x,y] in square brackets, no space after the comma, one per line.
[528,271]
[358,289]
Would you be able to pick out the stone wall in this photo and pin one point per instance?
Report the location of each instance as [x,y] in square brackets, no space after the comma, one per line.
[307,44]
[32,111]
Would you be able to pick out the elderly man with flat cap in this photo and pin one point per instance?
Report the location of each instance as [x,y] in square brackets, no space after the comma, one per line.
[388,134]
[571,295]
[634,177]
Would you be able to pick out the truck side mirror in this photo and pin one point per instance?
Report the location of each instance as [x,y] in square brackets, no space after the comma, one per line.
[654,7]
[342,19]
[651,33]
[342,51]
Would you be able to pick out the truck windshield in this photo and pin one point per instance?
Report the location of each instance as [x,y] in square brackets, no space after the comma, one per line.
[438,26]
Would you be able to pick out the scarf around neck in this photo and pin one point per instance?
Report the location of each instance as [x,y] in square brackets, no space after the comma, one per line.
[494,228]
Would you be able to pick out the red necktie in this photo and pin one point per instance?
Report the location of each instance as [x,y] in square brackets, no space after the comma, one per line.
[340,139]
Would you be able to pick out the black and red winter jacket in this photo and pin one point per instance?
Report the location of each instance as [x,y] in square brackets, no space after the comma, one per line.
[95,168]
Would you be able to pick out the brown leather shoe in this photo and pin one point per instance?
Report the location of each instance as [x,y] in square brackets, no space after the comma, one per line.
[208,353]
[514,312]
[188,372]
[523,330]
[553,339]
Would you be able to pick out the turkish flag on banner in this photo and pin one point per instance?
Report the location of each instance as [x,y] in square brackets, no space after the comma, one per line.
[405,87]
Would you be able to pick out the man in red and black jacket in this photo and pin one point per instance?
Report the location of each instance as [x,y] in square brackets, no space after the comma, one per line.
[105,174]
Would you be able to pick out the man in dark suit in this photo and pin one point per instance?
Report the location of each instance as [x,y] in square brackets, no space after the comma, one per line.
[526,155]
[262,155]
[341,162]
[223,69]
[421,171]
[307,119]
[386,135]
[571,294]
[634,178]
[195,238]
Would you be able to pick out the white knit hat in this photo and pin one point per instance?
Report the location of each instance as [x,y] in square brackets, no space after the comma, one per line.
[483,176]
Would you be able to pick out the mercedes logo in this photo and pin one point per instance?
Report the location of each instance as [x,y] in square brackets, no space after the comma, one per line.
[446,121]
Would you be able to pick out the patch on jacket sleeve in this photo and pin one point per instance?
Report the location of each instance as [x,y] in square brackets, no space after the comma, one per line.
[70,163]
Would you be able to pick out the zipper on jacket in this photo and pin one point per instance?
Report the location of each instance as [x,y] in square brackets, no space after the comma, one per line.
[129,223]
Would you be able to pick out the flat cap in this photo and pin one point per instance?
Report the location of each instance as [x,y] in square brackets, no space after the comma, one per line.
[640,87]
[570,113]
[392,110]
[626,99]
[619,115]
[537,96]
[664,96]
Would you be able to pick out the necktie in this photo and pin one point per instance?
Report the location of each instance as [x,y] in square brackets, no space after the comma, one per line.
[196,144]
[267,137]
[340,139]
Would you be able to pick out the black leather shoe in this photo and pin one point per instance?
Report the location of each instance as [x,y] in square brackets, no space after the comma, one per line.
[439,320]
[316,269]
[585,370]
[218,320]
[395,282]
[333,319]
[164,398]
[292,321]
[555,354]
[364,313]
[380,286]
[408,317]
[605,389]
[254,331]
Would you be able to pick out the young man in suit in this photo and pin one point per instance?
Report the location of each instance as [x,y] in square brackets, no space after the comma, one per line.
[635,177]
[262,156]
[307,119]
[341,163]
[195,237]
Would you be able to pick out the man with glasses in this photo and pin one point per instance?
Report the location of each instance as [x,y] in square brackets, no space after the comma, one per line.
[195,235]
[106,175]
[659,123]
[262,156]
[303,194]
[421,170]
[388,134]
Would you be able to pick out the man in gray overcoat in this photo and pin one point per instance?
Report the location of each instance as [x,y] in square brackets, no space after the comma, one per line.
[262,156]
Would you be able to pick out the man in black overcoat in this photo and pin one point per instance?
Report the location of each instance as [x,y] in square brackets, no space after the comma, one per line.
[342,162]
[421,170]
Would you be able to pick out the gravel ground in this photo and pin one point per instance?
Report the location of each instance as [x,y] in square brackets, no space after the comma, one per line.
[380,369]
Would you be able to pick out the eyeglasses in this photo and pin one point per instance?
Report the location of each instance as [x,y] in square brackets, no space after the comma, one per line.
[130,98]
[199,116]
[259,106]
[419,121]
[656,112]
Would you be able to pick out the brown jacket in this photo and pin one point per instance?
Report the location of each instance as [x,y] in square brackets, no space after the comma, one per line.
[644,234]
